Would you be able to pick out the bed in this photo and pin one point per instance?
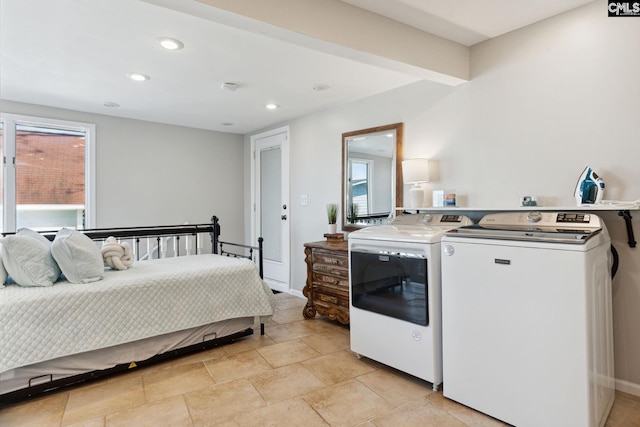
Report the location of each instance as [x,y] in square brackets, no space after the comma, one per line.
[174,299]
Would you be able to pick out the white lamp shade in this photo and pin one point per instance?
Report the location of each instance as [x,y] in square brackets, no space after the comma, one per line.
[415,171]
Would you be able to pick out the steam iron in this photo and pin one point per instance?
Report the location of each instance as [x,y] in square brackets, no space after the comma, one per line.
[589,188]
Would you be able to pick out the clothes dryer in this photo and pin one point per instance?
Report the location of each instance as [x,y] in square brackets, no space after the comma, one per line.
[394,293]
[527,318]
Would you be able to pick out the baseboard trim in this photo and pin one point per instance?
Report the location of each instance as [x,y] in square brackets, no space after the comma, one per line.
[628,387]
[297,293]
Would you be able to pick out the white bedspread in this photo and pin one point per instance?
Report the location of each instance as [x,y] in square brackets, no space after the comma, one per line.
[150,298]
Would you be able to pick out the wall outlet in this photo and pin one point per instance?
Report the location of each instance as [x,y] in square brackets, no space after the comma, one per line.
[303,200]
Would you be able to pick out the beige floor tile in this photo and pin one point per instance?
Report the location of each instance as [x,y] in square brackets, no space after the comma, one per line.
[340,366]
[267,322]
[395,387]
[328,342]
[168,412]
[417,413]
[175,380]
[625,411]
[45,411]
[287,352]
[462,412]
[285,383]
[93,422]
[221,402]
[288,315]
[103,398]
[347,404]
[249,343]
[291,413]
[291,331]
[285,302]
[238,365]
[321,324]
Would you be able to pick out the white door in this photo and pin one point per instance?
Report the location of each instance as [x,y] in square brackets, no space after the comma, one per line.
[270,218]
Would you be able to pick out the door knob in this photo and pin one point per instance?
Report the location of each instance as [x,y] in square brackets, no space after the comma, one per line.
[283,217]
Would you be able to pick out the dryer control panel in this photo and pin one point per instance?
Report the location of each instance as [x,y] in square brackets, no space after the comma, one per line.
[430,219]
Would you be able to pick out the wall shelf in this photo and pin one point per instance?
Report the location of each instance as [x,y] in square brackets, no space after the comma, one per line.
[586,208]
[624,210]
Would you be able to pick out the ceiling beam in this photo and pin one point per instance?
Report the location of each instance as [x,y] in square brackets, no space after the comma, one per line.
[338,28]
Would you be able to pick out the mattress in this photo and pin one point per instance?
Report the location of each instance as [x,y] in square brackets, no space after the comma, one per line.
[63,367]
[151,298]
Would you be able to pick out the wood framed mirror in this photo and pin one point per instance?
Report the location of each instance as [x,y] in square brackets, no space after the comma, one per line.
[371,175]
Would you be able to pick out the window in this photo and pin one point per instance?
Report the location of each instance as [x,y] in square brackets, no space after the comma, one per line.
[47,173]
[360,185]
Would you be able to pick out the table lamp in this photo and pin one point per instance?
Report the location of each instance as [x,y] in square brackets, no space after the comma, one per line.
[416,172]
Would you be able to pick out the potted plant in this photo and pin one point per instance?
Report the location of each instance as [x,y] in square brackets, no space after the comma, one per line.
[332,217]
[352,214]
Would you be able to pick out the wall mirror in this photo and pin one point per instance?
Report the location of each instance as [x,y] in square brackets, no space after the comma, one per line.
[371,181]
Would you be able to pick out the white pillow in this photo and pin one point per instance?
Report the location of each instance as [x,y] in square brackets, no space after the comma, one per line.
[27,257]
[27,232]
[78,256]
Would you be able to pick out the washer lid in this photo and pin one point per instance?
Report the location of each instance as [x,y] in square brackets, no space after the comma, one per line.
[553,227]
[536,234]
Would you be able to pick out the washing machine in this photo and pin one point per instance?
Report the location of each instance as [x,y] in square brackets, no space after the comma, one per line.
[394,293]
[527,318]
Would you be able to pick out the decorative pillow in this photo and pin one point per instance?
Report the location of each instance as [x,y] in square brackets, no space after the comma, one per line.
[27,258]
[78,256]
[27,232]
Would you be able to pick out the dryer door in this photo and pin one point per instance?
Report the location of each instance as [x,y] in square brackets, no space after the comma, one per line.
[392,284]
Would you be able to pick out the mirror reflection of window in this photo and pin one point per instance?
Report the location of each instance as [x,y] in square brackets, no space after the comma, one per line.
[360,186]
[371,180]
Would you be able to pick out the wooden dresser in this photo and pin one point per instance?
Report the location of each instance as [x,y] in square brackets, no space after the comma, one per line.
[327,288]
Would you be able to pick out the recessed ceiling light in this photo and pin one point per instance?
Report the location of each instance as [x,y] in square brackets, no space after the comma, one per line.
[272,106]
[111,104]
[169,43]
[138,77]
[227,123]
[320,87]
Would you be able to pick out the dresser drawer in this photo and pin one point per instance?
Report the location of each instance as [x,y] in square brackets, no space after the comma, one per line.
[329,298]
[332,270]
[330,258]
[332,282]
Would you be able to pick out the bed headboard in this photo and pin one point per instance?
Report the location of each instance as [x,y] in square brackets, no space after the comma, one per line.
[179,240]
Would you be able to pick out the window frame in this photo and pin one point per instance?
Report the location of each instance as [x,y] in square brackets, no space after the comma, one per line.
[370,164]
[9,122]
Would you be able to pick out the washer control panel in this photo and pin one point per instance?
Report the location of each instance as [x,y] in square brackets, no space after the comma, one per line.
[573,218]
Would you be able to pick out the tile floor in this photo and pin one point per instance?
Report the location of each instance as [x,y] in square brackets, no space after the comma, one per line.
[301,373]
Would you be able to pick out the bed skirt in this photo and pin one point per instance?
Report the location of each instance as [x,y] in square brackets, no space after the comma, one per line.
[38,378]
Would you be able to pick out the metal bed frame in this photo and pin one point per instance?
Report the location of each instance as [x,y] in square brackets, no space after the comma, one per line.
[137,234]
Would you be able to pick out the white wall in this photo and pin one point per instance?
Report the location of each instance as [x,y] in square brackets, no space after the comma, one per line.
[544,102]
[154,174]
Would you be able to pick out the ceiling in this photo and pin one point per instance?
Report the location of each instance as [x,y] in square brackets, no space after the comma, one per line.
[76,55]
